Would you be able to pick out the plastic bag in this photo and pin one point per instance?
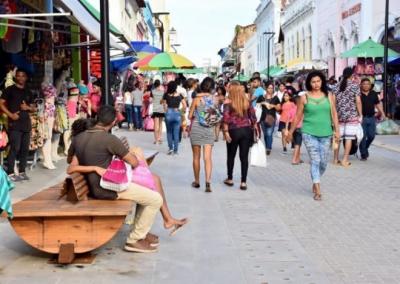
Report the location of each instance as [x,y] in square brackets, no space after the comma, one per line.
[257,155]
[387,127]
[258,110]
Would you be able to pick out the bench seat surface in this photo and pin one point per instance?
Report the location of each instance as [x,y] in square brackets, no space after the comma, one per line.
[46,204]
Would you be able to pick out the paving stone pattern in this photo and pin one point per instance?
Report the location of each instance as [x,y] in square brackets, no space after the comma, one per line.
[272,233]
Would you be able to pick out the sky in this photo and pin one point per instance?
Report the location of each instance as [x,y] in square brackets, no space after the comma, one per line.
[206,26]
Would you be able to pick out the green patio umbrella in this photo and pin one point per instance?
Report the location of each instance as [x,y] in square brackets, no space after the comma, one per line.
[273,70]
[241,78]
[368,48]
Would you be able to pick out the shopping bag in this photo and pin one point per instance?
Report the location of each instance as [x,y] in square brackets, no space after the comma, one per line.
[116,177]
[148,124]
[257,155]
[387,127]
[258,110]
[142,175]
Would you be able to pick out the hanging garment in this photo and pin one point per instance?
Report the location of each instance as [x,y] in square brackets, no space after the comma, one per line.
[61,119]
[5,187]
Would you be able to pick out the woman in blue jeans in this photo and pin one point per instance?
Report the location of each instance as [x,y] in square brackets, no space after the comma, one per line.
[318,110]
[270,105]
[171,101]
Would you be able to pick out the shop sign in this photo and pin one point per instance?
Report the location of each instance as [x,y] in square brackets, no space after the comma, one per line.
[352,11]
[95,63]
[37,4]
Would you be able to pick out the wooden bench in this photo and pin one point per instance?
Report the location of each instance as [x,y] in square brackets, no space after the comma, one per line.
[63,220]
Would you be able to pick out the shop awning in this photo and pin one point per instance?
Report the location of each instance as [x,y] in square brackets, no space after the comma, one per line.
[87,20]
[121,63]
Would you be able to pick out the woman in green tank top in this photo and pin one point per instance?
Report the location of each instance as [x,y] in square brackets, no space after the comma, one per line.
[320,122]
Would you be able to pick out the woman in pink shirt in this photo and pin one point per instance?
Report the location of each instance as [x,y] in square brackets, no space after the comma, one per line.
[95,98]
[297,137]
[287,108]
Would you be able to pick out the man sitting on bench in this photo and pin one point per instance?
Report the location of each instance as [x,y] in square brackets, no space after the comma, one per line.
[93,150]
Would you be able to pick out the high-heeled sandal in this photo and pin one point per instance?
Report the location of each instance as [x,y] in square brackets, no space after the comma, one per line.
[208,187]
[195,184]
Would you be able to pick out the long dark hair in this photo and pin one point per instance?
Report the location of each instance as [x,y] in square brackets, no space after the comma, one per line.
[347,73]
[313,74]
[81,125]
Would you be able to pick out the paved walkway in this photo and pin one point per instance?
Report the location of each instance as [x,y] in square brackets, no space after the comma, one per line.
[272,233]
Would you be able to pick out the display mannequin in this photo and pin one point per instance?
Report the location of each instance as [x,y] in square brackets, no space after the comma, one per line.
[62,92]
[49,94]
[72,108]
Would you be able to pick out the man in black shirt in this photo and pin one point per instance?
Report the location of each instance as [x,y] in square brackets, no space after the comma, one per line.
[369,101]
[16,104]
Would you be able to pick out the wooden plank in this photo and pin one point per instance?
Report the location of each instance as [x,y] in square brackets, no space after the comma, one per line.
[47,194]
[86,233]
[59,208]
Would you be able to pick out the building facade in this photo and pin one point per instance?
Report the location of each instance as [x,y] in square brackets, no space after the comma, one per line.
[267,21]
[343,24]
[300,31]
[248,56]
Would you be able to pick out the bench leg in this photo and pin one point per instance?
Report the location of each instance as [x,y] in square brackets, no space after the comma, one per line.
[66,254]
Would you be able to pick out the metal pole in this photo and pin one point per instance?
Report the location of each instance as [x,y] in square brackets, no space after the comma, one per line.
[268,60]
[385,57]
[105,50]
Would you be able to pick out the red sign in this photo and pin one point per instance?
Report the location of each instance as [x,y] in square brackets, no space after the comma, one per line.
[95,63]
[352,11]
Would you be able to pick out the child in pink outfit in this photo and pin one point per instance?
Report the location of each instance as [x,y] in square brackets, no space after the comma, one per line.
[297,136]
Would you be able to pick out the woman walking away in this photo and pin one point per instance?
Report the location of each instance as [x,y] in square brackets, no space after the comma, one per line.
[318,110]
[172,100]
[348,106]
[239,124]
[158,110]
[270,105]
[284,122]
[128,101]
[202,134]
[220,99]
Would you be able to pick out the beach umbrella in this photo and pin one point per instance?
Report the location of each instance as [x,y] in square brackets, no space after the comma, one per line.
[164,60]
[368,48]
[185,71]
[147,50]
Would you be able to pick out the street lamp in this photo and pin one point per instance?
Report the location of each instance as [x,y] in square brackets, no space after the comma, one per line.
[161,26]
[173,46]
[271,34]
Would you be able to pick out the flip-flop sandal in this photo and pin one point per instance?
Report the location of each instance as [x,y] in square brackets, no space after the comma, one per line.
[226,182]
[177,227]
[337,163]
[296,164]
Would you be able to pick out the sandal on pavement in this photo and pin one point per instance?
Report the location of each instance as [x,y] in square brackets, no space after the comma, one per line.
[243,186]
[317,194]
[337,163]
[228,183]
[345,165]
[195,184]
[208,187]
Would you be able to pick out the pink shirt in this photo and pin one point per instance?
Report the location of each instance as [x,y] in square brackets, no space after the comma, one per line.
[292,115]
[287,108]
[95,101]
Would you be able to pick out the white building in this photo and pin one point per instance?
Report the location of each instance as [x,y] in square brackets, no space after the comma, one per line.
[267,20]
[249,56]
[300,30]
[345,23]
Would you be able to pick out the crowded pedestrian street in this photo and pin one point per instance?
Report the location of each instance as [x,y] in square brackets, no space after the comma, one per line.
[272,233]
[171,141]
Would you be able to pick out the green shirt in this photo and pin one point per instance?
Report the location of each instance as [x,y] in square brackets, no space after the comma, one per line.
[317,117]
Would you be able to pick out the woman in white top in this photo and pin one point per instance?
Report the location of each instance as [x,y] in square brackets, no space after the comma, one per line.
[128,101]
[158,110]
